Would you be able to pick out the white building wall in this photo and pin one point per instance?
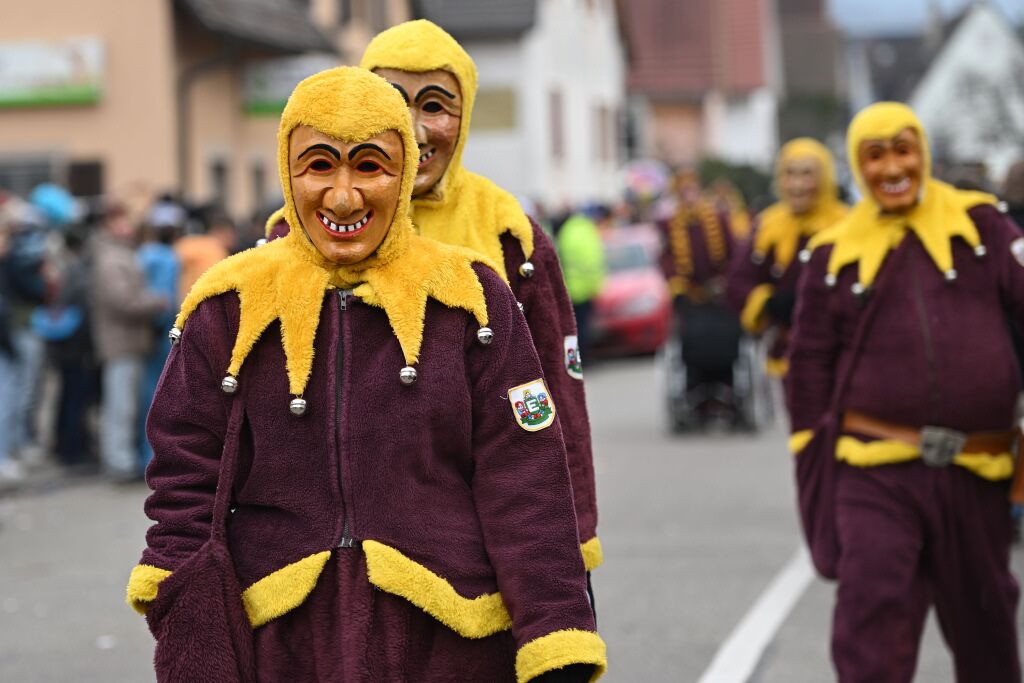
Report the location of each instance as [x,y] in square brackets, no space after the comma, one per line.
[575,49]
[971,101]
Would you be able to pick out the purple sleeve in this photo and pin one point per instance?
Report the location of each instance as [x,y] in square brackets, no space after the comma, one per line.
[813,347]
[521,482]
[550,317]
[186,427]
[744,276]
[1004,243]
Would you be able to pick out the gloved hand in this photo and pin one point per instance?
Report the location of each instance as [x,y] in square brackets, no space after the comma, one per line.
[574,673]
[779,307]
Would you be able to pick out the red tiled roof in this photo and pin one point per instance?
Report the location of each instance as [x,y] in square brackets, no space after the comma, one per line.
[683,48]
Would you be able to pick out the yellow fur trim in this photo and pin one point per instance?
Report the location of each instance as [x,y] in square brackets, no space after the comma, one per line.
[859,453]
[273,220]
[799,440]
[286,279]
[143,584]
[776,367]
[752,315]
[593,555]
[465,209]
[391,571]
[284,590]
[865,236]
[779,229]
[560,649]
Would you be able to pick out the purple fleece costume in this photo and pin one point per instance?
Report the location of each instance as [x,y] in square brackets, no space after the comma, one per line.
[938,353]
[438,471]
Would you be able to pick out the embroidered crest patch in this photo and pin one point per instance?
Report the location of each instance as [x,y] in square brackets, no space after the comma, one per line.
[573,360]
[1017,249]
[532,405]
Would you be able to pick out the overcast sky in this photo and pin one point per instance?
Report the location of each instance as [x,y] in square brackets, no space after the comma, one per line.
[904,16]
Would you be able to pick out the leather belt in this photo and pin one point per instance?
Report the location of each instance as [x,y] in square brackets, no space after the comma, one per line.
[938,445]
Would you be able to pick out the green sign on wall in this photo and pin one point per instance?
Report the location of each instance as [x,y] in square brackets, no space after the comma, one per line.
[43,74]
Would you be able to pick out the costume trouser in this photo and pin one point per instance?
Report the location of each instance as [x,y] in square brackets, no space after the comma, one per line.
[118,438]
[912,536]
[348,631]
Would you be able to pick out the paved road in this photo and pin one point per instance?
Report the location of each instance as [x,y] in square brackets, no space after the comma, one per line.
[694,530]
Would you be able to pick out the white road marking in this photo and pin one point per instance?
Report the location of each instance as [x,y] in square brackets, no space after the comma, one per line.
[739,655]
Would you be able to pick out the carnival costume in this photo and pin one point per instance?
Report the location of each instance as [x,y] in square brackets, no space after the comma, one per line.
[379,509]
[902,389]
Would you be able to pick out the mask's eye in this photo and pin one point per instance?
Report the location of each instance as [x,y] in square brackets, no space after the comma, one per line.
[432,107]
[321,166]
[368,167]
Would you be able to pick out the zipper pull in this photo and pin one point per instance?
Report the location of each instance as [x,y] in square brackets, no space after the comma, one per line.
[343,298]
[346,537]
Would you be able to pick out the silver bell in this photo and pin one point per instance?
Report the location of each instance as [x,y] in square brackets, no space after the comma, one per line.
[777,271]
[485,335]
[831,280]
[297,406]
[757,258]
[261,241]
[857,288]
[980,251]
[408,375]
[229,385]
[805,256]
[950,275]
[526,270]
[174,334]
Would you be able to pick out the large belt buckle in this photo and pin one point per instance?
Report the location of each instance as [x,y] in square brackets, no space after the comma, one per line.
[940,445]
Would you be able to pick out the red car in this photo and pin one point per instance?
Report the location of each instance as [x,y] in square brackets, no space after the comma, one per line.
[633,312]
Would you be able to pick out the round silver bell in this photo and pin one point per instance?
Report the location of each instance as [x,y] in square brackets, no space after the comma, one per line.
[229,385]
[526,270]
[1003,207]
[174,334]
[857,288]
[485,335]
[830,280]
[297,406]
[805,256]
[261,241]
[980,251]
[777,271]
[408,375]
[950,275]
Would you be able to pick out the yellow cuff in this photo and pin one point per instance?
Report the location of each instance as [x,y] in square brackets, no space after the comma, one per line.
[593,556]
[283,590]
[560,649]
[142,586]
[776,367]
[799,440]
[752,315]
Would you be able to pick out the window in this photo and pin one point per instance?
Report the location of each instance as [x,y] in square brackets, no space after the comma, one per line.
[219,182]
[557,126]
[85,178]
[19,175]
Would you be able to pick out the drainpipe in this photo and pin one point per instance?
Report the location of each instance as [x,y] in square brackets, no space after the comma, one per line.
[227,54]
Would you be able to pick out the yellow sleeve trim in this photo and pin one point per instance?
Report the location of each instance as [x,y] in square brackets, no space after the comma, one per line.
[395,573]
[799,440]
[284,590]
[995,467]
[593,555]
[560,649]
[143,584]
[776,367]
[752,315]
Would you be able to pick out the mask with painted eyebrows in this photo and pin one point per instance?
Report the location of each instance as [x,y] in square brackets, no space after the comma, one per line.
[435,103]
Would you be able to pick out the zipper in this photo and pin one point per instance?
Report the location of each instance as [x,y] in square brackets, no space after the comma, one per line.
[346,534]
[929,350]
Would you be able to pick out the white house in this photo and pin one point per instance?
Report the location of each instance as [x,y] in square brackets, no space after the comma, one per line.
[547,117]
[971,98]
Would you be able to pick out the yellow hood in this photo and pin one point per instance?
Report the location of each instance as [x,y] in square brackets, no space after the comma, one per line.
[780,229]
[867,235]
[286,279]
[464,208]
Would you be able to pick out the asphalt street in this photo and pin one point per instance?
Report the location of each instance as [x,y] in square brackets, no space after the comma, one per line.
[695,530]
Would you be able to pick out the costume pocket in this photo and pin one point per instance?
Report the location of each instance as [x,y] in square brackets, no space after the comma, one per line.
[199,622]
[816,475]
